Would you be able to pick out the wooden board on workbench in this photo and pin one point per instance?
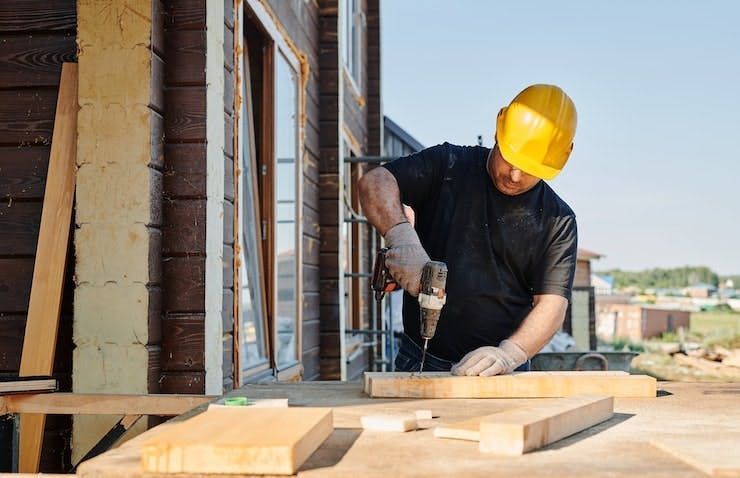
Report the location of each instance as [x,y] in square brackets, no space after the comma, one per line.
[518,431]
[242,440]
[516,385]
[716,456]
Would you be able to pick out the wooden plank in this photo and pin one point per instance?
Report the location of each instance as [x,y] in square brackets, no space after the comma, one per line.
[183,288]
[517,385]
[35,60]
[182,382]
[276,441]
[26,116]
[20,223]
[518,431]
[184,229]
[51,259]
[103,404]
[37,15]
[716,456]
[23,172]
[182,344]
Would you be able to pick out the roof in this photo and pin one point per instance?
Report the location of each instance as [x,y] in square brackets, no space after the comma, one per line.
[702,285]
[401,134]
[586,254]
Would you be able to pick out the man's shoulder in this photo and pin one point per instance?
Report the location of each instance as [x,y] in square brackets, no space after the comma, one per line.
[559,207]
[454,153]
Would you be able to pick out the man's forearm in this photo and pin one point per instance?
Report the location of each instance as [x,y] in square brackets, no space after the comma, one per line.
[381,199]
[542,322]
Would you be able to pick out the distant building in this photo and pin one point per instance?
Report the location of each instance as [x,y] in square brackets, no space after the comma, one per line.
[583,267]
[700,290]
[637,322]
[603,285]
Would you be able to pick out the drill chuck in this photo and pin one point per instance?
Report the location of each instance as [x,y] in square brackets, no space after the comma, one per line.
[432,296]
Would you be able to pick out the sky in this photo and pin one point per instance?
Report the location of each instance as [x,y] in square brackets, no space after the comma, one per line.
[655,172]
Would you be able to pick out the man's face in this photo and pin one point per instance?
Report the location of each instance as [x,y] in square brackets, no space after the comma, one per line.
[508,179]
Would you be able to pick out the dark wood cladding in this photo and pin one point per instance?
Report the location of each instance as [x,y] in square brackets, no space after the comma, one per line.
[23,172]
[329,202]
[20,228]
[34,60]
[27,116]
[183,344]
[30,16]
[36,37]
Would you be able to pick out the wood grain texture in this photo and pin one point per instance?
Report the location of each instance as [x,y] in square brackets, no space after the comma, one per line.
[26,116]
[20,223]
[517,385]
[518,431]
[716,457]
[35,60]
[276,441]
[23,172]
[37,15]
[103,404]
[51,260]
[183,342]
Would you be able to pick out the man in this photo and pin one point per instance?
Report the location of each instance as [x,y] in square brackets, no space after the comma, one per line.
[508,240]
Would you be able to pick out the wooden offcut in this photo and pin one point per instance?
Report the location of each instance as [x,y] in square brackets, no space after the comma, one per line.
[518,431]
[45,302]
[390,422]
[517,385]
[241,440]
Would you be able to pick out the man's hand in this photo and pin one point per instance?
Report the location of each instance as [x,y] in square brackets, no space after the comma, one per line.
[405,257]
[489,361]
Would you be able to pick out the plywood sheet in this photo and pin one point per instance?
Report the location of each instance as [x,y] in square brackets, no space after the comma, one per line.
[518,431]
[717,456]
[517,385]
[239,440]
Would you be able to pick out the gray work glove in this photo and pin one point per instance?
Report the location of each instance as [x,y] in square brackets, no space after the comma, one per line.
[489,361]
[406,257]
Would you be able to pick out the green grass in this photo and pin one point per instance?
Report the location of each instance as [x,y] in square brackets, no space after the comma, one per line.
[716,325]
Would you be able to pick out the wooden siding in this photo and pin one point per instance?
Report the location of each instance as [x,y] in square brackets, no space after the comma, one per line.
[36,37]
[329,144]
[184,198]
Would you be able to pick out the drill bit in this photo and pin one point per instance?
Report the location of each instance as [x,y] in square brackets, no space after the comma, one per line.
[424,355]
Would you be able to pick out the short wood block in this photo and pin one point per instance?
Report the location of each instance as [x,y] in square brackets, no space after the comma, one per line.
[239,440]
[518,431]
[390,422]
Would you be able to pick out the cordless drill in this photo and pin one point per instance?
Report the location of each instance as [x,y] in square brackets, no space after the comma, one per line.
[432,294]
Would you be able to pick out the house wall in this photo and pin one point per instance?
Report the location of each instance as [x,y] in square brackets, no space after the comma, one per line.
[185,198]
[638,323]
[36,36]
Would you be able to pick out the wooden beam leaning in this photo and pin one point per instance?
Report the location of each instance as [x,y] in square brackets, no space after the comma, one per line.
[39,343]
[95,404]
[517,385]
[518,431]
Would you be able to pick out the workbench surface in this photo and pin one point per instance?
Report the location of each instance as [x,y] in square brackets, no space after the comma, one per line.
[704,415]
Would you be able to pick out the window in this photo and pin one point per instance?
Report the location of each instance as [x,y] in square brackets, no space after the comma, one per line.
[252,326]
[269,188]
[286,213]
[353,21]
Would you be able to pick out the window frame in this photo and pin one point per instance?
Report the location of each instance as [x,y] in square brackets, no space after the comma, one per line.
[266,179]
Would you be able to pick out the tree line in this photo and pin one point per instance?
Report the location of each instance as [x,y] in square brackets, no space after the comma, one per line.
[675,278]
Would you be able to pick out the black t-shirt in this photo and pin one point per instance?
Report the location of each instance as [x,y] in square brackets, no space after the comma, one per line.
[500,250]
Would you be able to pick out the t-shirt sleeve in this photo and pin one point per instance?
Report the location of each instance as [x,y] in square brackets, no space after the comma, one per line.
[419,174]
[557,269]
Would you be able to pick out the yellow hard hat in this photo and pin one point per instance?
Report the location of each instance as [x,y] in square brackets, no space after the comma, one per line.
[535,132]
